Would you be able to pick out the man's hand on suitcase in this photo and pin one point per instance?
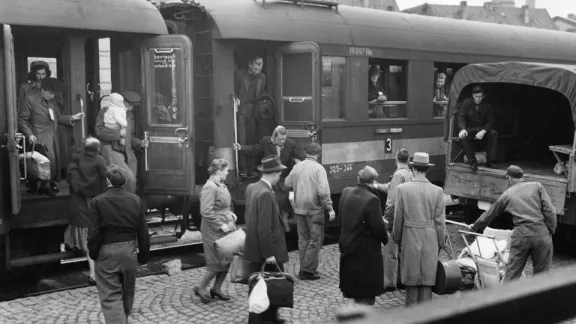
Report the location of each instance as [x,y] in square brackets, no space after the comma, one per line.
[271,259]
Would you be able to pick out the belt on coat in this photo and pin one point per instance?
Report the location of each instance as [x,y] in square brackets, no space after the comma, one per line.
[418,224]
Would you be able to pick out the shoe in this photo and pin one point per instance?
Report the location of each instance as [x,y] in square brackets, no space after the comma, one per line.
[220,295]
[389,289]
[308,276]
[491,165]
[203,294]
[91,282]
[474,165]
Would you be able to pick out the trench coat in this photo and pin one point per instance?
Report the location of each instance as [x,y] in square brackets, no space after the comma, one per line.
[420,229]
[34,119]
[215,201]
[264,229]
[362,233]
[126,161]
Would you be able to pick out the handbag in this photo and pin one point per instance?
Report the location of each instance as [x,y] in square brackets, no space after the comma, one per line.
[240,269]
[229,244]
[280,286]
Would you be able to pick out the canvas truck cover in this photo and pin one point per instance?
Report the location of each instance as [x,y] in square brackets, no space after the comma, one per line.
[558,77]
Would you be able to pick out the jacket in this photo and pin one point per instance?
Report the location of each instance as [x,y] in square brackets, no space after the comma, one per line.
[311,188]
[471,119]
[264,230]
[265,147]
[400,176]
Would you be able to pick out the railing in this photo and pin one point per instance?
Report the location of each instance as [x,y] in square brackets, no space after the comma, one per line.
[547,298]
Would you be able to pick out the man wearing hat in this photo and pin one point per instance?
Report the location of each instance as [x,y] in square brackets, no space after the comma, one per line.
[125,159]
[476,122]
[420,230]
[265,244]
[534,219]
[309,181]
[362,234]
[38,120]
[290,153]
[118,227]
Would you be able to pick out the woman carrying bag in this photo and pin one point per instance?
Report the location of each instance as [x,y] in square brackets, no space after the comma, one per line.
[217,221]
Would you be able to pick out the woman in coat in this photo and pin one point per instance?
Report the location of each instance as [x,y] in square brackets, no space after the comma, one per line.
[86,175]
[38,119]
[217,221]
[362,234]
[420,231]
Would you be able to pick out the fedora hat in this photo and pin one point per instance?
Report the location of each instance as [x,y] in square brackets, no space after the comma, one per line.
[270,164]
[374,69]
[421,159]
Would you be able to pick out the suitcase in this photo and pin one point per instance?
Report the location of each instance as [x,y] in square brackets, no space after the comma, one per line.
[448,277]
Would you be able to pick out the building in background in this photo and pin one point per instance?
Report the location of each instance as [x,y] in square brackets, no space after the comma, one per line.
[495,11]
[389,5]
[566,24]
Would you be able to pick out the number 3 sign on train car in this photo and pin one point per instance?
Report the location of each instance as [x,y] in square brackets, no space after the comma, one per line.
[388,145]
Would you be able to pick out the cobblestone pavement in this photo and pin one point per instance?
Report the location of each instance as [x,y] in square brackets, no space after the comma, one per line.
[164,299]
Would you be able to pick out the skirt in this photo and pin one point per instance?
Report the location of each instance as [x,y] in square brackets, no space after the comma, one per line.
[76,238]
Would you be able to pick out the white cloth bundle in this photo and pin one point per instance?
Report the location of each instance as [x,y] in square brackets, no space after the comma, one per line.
[258,301]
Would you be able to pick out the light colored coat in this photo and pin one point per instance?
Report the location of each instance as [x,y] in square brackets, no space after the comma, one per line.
[420,229]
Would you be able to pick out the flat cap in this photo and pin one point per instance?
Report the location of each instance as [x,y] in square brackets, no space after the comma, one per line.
[130,96]
[478,89]
[515,171]
[51,84]
[367,174]
[313,148]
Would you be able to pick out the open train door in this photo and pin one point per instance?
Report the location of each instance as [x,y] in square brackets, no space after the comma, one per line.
[298,91]
[9,127]
[169,115]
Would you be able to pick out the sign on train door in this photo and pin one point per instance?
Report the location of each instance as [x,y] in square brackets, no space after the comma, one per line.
[12,139]
[299,91]
[169,118]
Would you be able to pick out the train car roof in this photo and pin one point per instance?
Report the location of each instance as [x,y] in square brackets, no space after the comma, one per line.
[356,26]
[133,16]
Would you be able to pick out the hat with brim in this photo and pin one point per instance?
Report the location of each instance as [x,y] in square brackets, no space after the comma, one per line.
[421,159]
[39,65]
[131,96]
[270,164]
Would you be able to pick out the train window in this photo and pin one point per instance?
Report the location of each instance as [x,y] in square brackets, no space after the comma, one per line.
[387,87]
[167,96]
[297,87]
[443,76]
[105,75]
[333,71]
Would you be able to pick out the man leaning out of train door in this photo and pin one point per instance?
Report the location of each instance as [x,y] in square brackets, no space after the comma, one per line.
[118,224]
[309,181]
[476,121]
[289,152]
[534,219]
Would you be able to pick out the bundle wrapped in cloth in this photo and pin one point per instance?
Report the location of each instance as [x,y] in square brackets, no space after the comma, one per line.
[37,165]
[230,244]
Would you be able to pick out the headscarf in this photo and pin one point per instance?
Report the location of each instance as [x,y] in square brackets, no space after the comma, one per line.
[116,100]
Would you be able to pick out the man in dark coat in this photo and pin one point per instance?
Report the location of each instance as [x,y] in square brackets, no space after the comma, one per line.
[362,233]
[126,160]
[265,244]
[248,85]
[476,122]
[289,152]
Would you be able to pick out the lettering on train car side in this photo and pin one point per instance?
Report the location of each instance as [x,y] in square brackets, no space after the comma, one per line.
[340,168]
[360,51]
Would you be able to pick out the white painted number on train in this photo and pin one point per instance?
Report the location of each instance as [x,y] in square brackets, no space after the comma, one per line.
[360,51]
[388,145]
[337,168]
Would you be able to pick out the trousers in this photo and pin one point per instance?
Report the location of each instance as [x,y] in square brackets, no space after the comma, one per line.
[391,264]
[271,313]
[310,238]
[539,248]
[115,271]
[418,294]
[490,139]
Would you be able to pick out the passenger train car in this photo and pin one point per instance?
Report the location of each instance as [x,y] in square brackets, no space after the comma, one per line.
[317,56]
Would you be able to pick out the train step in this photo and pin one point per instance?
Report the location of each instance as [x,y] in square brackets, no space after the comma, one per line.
[44,258]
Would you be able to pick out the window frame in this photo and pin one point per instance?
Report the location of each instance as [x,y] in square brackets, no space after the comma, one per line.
[343,88]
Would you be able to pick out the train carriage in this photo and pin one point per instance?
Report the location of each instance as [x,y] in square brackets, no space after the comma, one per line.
[317,57]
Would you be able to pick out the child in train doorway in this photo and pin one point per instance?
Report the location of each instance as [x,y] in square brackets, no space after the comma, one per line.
[115,118]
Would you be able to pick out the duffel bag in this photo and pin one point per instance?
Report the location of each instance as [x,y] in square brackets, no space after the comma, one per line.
[280,286]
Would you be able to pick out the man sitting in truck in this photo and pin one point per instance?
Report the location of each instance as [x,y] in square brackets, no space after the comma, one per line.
[476,122]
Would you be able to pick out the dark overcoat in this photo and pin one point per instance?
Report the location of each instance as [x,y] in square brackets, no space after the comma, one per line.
[362,234]
[264,230]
